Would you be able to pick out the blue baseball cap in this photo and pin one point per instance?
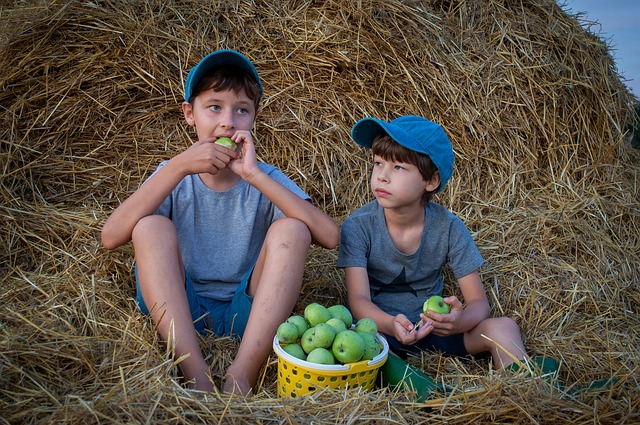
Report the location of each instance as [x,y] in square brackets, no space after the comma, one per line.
[415,133]
[214,60]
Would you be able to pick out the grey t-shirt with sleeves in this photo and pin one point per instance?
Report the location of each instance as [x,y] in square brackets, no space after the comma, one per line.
[221,233]
[400,283]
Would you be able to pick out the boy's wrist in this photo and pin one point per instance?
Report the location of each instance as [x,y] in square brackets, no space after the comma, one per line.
[256,178]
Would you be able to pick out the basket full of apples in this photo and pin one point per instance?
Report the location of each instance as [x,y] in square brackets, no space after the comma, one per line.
[324,348]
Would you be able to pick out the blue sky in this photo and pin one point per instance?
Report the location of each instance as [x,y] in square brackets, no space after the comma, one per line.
[620,25]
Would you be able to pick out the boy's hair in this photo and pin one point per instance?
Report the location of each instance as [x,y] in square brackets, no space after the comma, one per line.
[228,78]
[385,147]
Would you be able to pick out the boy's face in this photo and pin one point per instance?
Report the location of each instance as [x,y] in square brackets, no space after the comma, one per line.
[398,184]
[216,114]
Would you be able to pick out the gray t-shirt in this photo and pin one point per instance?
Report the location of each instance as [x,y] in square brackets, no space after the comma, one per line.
[221,233]
[401,283]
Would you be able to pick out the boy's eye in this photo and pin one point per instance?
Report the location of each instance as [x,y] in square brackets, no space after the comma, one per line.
[243,111]
[399,167]
[214,107]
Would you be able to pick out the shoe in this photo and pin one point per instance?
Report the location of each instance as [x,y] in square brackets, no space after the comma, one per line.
[398,374]
[594,386]
[543,367]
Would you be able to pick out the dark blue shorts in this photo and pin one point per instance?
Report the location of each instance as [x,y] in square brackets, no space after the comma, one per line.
[452,345]
[220,317]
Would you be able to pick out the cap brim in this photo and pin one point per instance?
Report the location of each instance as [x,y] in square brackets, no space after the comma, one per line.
[367,129]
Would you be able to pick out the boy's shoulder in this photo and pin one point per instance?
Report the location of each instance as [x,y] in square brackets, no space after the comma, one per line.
[368,210]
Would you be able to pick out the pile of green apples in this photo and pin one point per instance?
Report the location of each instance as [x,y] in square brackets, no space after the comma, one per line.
[326,335]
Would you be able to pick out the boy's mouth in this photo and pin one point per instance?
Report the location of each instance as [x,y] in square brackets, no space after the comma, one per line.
[381,192]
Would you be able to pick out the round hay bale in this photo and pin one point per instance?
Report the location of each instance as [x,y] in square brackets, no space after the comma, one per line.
[544,177]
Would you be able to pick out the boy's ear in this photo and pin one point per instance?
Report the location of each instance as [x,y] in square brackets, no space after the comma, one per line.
[433,183]
[187,110]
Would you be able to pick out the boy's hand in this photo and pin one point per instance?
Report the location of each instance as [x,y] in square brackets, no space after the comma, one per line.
[246,165]
[409,333]
[204,156]
[446,324]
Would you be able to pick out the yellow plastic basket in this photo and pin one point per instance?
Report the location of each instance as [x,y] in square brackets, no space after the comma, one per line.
[298,377]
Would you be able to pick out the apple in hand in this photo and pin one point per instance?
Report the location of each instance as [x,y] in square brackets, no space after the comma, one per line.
[227,143]
[436,304]
[287,333]
[348,347]
[321,356]
[316,313]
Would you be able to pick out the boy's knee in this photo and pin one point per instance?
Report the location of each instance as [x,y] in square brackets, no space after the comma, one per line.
[290,229]
[503,325]
[150,225]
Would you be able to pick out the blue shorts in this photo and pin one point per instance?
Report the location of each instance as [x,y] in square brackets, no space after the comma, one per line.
[220,317]
[452,345]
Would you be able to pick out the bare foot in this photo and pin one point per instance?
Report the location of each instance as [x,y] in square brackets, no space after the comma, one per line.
[235,385]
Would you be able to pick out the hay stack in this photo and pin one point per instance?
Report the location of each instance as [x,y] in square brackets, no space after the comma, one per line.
[90,95]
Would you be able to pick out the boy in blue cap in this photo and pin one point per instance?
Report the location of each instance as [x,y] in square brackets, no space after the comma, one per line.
[394,248]
[220,239]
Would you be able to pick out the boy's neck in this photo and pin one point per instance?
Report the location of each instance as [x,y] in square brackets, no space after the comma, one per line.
[405,217]
[220,182]
[405,227]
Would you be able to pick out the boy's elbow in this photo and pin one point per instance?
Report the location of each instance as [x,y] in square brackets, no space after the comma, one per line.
[332,236]
[335,241]
[108,238]
[107,242]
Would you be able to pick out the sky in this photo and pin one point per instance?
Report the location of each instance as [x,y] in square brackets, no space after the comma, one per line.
[620,26]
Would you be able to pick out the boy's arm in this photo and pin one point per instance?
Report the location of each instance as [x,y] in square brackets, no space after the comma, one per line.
[360,304]
[324,230]
[202,156]
[460,319]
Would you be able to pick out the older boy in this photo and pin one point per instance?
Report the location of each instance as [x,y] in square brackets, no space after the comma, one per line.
[394,249]
[219,238]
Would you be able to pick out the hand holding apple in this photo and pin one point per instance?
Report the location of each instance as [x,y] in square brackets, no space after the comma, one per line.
[450,323]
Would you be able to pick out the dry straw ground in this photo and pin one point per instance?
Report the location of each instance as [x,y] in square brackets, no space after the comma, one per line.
[89,103]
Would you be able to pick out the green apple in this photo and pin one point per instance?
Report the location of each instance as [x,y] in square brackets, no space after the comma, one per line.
[227,143]
[324,335]
[300,322]
[341,312]
[295,350]
[321,356]
[308,340]
[371,346]
[348,347]
[337,324]
[287,333]
[366,325]
[436,304]
[316,313]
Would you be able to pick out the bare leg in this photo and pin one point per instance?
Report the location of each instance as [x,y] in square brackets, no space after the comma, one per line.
[161,276]
[275,286]
[503,332]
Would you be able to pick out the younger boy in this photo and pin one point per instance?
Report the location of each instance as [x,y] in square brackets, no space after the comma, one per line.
[220,239]
[394,248]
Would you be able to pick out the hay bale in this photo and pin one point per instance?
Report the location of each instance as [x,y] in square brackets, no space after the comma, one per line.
[544,178]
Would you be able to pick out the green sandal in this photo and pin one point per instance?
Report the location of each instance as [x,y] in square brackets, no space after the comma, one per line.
[396,373]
